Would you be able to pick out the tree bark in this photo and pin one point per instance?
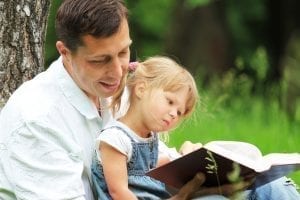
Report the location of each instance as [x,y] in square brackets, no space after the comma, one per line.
[23,26]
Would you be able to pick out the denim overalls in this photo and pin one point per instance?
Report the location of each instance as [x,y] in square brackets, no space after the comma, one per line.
[144,157]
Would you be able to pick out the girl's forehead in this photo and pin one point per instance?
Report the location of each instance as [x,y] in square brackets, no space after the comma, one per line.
[179,92]
[178,89]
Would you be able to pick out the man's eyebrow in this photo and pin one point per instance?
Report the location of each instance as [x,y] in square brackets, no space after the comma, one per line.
[99,56]
[128,44]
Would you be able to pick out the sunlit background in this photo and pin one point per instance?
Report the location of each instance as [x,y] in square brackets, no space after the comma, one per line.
[244,55]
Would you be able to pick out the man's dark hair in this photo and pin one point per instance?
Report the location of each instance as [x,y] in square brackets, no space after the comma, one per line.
[99,18]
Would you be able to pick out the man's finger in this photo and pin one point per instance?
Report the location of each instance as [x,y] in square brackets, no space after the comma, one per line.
[225,190]
[192,186]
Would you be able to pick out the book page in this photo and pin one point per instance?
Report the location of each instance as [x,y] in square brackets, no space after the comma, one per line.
[282,158]
[241,152]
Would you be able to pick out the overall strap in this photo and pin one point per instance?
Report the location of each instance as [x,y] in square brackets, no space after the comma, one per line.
[121,129]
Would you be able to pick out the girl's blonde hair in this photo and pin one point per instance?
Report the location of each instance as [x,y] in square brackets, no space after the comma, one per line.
[161,72]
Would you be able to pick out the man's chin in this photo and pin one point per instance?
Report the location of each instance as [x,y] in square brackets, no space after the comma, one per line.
[106,94]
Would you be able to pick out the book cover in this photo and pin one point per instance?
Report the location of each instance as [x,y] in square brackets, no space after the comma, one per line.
[225,162]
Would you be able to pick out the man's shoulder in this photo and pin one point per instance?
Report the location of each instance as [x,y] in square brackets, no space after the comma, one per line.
[33,98]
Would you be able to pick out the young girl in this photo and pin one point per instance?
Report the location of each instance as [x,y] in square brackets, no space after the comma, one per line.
[161,95]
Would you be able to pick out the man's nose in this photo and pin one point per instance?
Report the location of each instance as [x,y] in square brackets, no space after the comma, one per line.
[116,68]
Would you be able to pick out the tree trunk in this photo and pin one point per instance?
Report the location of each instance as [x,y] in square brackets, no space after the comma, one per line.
[199,39]
[23,26]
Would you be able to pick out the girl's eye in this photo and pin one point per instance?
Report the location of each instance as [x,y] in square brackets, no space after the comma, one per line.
[179,113]
[170,101]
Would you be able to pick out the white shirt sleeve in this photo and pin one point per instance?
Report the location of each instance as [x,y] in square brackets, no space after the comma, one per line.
[33,150]
[116,139]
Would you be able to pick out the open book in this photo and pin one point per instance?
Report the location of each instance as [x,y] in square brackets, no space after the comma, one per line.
[225,162]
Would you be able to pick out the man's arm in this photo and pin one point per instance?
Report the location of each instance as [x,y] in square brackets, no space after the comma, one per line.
[44,163]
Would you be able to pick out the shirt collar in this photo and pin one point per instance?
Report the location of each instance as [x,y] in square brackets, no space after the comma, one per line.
[74,94]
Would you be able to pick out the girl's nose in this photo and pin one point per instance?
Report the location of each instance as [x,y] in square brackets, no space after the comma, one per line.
[173,114]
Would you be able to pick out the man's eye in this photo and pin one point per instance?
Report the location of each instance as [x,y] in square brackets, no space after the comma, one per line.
[99,62]
[123,52]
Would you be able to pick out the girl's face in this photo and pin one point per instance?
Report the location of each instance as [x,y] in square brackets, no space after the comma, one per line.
[163,110]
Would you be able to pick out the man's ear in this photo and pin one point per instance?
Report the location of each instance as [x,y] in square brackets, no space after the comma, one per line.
[63,50]
[140,89]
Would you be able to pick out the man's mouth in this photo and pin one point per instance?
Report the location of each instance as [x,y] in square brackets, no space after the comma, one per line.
[110,86]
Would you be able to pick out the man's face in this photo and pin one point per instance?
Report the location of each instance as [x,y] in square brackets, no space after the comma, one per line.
[99,65]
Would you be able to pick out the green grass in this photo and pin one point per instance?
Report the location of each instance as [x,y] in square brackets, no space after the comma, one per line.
[252,120]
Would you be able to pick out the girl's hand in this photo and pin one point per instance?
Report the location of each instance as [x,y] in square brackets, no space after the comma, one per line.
[188,147]
[162,160]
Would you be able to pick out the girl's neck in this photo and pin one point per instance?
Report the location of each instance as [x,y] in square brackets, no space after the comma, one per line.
[133,124]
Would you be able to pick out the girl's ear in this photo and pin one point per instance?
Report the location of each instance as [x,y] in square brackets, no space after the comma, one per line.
[140,89]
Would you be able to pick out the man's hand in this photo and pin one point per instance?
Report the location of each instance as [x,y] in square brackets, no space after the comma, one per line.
[190,188]
[194,188]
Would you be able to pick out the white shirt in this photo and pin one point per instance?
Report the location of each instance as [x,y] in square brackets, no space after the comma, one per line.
[47,137]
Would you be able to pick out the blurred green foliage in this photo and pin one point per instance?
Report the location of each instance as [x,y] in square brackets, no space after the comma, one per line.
[233,106]
[149,21]
[50,50]
[246,20]
[196,3]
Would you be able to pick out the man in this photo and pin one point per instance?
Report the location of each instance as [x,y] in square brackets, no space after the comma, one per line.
[49,125]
